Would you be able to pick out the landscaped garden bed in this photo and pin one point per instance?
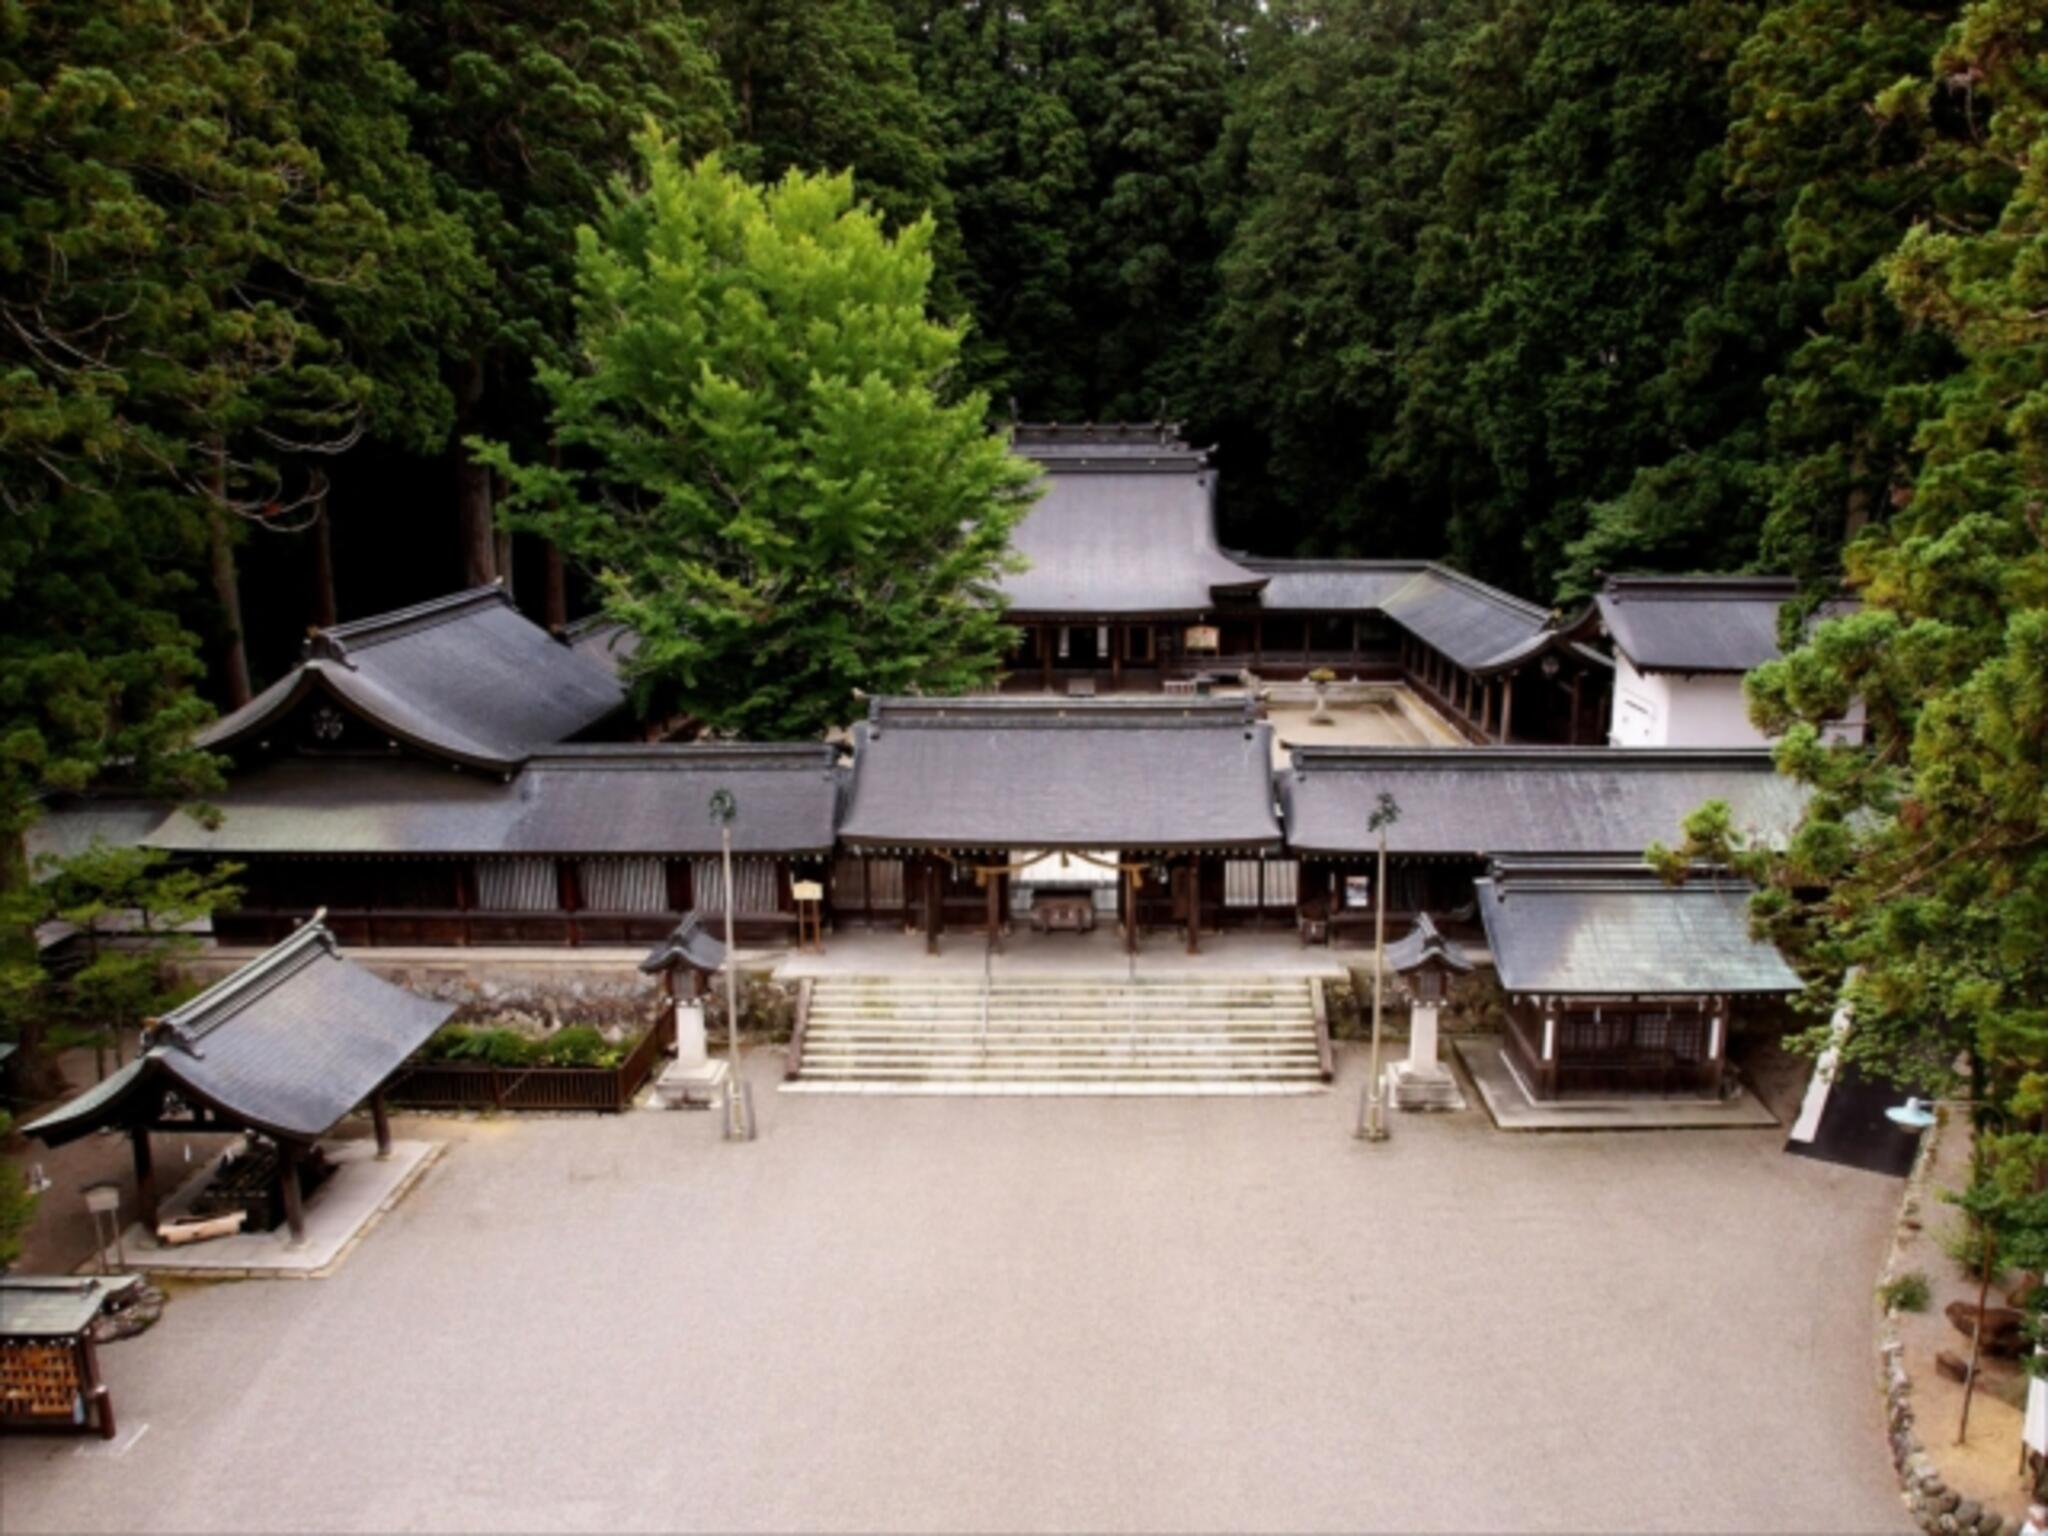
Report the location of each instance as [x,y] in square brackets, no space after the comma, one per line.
[466,1066]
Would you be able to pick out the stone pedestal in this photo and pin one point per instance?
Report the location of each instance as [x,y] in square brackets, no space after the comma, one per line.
[1422,1081]
[693,1079]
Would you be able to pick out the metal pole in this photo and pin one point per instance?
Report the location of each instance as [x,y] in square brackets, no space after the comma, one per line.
[1371,1125]
[739,1120]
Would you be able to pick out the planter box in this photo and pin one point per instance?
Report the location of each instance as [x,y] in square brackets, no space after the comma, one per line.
[479,1085]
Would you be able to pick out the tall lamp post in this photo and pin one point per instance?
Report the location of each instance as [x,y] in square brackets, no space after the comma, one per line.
[1371,1110]
[739,1102]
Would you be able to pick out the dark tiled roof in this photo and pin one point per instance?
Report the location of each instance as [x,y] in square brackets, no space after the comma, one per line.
[55,1306]
[1424,943]
[1613,930]
[1478,801]
[1698,623]
[1481,628]
[464,677]
[687,945]
[1125,524]
[1108,446]
[1329,586]
[287,1045]
[1021,773]
[624,800]
[73,824]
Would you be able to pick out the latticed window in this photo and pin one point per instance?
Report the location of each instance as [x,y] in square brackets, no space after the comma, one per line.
[623,885]
[755,879]
[517,885]
[1242,886]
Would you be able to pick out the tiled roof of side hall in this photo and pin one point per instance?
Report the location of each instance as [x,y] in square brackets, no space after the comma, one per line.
[1613,931]
[465,677]
[599,800]
[1700,623]
[1480,801]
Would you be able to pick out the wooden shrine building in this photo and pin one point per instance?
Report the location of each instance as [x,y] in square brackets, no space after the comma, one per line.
[1126,588]
[285,1047]
[1617,982]
[1460,807]
[439,776]
[952,801]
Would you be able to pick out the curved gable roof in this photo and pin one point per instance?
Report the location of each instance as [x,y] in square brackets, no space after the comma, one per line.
[465,677]
[1125,524]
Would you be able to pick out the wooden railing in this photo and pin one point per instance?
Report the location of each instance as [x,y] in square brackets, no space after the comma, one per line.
[480,1085]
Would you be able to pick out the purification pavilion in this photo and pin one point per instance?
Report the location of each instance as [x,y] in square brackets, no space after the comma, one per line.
[285,1047]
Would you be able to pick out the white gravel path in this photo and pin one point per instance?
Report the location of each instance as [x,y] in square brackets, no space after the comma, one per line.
[1021,1315]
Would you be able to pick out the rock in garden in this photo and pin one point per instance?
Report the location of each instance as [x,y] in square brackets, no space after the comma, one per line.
[1952,1365]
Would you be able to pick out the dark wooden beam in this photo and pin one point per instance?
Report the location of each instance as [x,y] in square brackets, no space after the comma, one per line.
[380,1115]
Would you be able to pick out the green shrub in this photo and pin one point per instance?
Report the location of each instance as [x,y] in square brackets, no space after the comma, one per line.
[499,1047]
[1905,1293]
[581,1045]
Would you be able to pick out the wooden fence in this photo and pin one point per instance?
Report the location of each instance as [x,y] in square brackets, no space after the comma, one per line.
[480,1085]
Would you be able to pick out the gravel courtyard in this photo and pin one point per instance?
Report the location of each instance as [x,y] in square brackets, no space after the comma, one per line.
[1029,1314]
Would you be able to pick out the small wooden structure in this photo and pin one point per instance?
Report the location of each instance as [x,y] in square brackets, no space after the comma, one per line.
[49,1366]
[285,1047]
[1617,982]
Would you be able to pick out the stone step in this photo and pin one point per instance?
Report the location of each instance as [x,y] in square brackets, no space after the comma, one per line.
[1050,1070]
[1072,1088]
[1111,1018]
[1139,1050]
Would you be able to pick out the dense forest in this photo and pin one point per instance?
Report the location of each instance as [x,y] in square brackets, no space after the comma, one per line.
[1546,288]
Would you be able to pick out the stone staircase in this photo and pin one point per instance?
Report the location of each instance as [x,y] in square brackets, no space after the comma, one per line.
[1060,1035]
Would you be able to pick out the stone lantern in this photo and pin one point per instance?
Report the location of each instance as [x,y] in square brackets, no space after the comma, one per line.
[692,1079]
[1425,965]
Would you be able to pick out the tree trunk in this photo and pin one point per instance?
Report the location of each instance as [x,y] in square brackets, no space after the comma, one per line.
[557,597]
[227,588]
[325,611]
[473,486]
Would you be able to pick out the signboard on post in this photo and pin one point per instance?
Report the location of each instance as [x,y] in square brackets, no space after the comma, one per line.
[1202,637]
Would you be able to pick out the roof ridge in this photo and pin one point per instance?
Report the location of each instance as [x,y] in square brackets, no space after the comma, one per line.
[1700,587]
[1307,757]
[984,710]
[197,1017]
[335,641]
[606,754]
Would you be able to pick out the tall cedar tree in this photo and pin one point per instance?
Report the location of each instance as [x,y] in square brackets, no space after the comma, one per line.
[169,245]
[763,472]
[1929,847]
[526,110]
[1077,136]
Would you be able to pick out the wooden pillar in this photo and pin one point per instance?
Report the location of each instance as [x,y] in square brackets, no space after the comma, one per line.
[1045,643]
[995,915]
[1119,637]
[1192,876]
[1127,900]
[1571,735]
[380,1115]
[1717,1043]
[145,1178]
[1486,708]
[934,918]
[1507,709]
[289,1153]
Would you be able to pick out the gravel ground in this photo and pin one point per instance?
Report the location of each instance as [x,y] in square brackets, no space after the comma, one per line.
[1030,1314]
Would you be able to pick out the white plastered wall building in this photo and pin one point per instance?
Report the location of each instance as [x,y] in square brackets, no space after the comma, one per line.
[1681,647]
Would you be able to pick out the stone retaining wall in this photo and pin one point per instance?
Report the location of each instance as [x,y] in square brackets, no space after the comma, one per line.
[1937,1508]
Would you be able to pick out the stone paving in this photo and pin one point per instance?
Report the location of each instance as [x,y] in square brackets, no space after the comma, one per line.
[981,1314]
